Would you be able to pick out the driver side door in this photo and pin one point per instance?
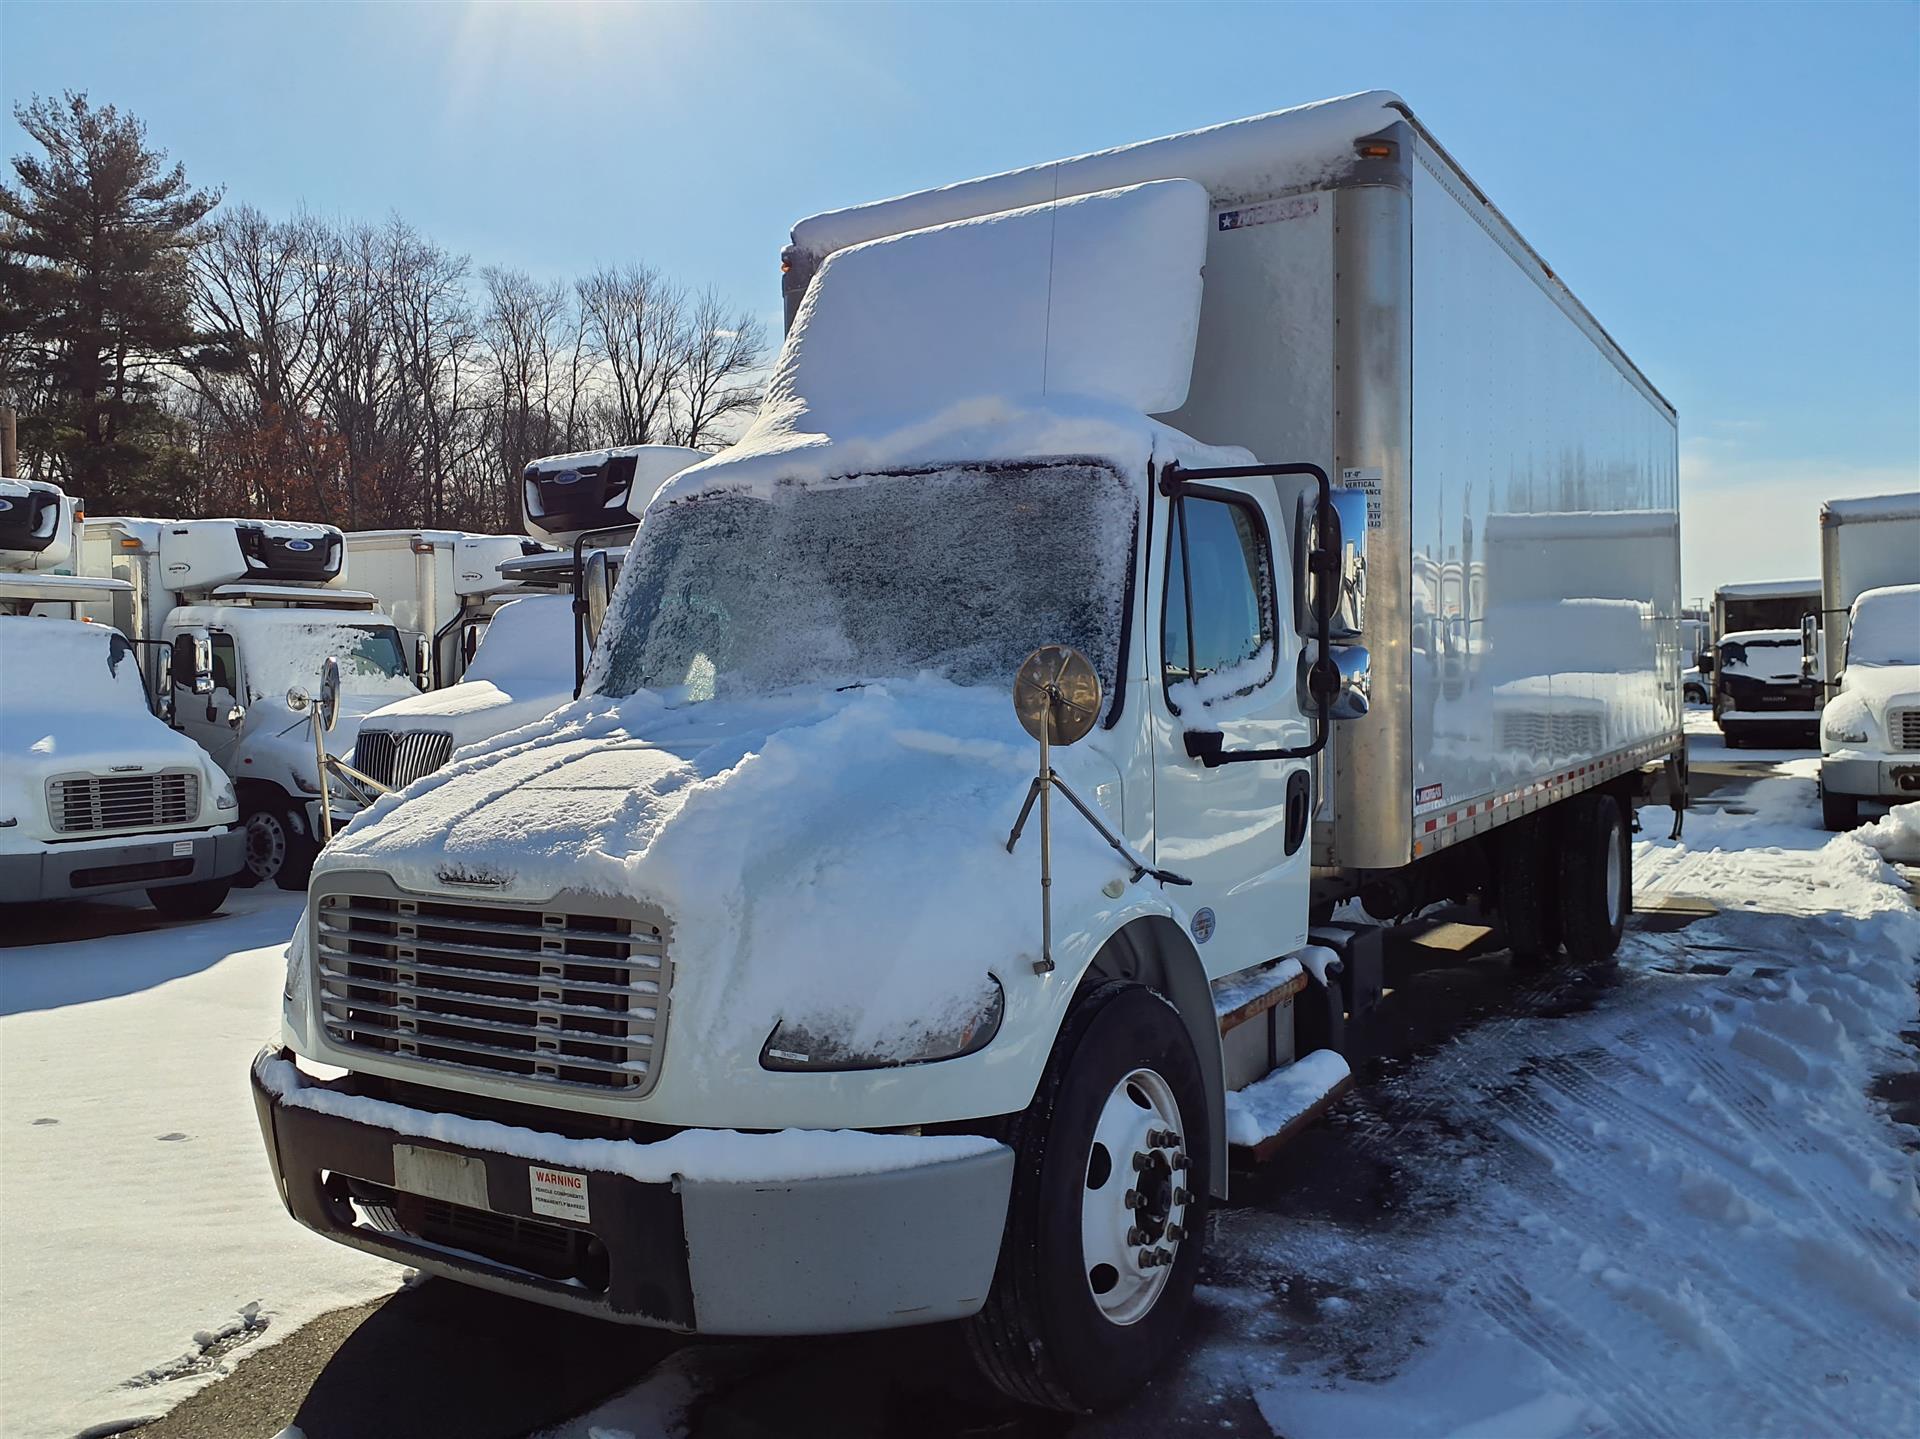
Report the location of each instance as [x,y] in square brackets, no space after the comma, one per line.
[203,718]
[1225,659]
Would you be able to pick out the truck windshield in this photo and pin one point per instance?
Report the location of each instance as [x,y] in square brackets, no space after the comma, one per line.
[1886,629]
[372,659]
[961,572]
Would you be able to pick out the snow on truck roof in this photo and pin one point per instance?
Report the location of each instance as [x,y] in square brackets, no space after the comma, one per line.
[1241,159]
[1871,507]
[1769,590]
[1053,330]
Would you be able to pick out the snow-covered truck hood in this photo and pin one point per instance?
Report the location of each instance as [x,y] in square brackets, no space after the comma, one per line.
[1867,694]
[836,859]
[470,711]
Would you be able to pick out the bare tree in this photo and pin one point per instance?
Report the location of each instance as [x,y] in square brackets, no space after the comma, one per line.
[724,351]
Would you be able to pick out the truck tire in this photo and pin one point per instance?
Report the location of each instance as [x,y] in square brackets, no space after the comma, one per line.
[1527,890]
[1074,1321]
[1839,811]
[278,846]
[1596,876]
[191,901]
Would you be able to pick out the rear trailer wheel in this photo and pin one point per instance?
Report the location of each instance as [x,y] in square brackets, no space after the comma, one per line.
[1839,811]
[1527,890]
[1108,1210]
[1596,876]
[190,901]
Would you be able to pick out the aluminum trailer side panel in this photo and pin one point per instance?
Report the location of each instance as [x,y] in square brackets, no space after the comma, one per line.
[1543,513]
[1864,544]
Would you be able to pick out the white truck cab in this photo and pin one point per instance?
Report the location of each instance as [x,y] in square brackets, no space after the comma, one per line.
[933,884]
[266,598]
[97,796]
[1870,728]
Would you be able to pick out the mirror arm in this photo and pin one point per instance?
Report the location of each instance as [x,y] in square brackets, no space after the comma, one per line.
[1177,482]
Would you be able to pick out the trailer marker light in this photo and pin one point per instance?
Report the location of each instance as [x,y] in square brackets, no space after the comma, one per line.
[422,547]
[1376,151]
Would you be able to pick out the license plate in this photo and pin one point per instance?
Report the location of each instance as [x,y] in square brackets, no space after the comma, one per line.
[436,1174]
[183,847]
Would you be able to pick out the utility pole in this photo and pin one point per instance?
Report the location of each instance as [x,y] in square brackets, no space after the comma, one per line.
[9,443]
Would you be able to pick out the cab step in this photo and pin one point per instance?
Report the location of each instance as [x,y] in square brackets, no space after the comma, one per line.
[1267,1113]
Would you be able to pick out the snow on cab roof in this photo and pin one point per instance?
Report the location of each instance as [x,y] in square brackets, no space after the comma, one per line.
[593,459]
[1239,160]
[1053,330]
[1871,507]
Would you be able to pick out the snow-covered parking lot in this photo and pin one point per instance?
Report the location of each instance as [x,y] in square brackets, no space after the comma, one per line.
[1672,1196]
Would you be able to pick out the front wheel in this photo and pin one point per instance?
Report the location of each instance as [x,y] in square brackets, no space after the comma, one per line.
[1108,1212]
[190,901]
[279,849]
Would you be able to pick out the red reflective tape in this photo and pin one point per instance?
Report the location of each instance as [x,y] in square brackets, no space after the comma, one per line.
[1432,824]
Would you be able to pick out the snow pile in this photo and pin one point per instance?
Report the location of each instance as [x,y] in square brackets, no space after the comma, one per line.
[813,850]
[1896,834]
[146,1249]
[1269,1105]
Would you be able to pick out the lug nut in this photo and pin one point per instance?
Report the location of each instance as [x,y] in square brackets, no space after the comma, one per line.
[1139,1161]
[1169,1139]
[1180,1161]
[1162,1256]
[1131,1199]
[1180,1196]
[1176,1233]
[1156,1138]
[1136,1235]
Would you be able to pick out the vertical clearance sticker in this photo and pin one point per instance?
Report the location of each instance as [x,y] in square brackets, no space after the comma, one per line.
[1369,482]
[560,1194]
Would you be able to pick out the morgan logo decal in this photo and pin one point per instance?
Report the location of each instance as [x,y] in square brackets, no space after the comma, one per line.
[1429,794]
[1202,926]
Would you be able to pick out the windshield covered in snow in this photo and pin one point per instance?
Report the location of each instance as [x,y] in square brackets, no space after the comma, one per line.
[372,659]
[962,572]
[1886,628]
[1762,654]
[528,637]
[62,666]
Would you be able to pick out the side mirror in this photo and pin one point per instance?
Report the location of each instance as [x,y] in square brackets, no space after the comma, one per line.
[298,699]
[423,660]
[236,716]
[1354,697]
[596,583]
[1704,663]
[326,709]
[1349,617]
[1810,647]
[192,661]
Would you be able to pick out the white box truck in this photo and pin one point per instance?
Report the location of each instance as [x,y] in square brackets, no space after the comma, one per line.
[784,984]
[266,597]
[97,796]
[439,587]
[1870,726]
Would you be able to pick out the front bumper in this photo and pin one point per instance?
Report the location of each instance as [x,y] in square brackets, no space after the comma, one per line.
[828,1250]
[95,867]
[1872,777]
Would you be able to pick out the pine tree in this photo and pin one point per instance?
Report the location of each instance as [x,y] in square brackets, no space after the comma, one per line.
[95,297]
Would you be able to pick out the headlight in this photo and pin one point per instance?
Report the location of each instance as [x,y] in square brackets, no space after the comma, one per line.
[307,786]
[1841,732]
[226,799]
[797,1047]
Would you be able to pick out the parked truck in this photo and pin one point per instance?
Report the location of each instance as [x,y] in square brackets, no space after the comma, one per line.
[795,980]
[439,587]
[266,598]
[97,795]
[1870,726]
[1755,680]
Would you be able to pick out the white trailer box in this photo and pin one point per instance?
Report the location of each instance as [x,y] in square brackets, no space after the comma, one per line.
[1865,544]
[1153,428]
[440,586]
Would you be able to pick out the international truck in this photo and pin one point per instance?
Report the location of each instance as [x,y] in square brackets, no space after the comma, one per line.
[439,587]
[935,885]
[266,598]
[1870,723]
[97,795]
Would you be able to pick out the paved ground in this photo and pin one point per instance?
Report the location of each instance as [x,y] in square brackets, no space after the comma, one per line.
[439,1360]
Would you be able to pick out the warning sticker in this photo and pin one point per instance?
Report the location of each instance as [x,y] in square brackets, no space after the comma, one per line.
[560,1194]
[1367,481]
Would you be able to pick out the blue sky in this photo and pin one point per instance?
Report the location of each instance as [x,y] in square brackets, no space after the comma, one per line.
[1732,189]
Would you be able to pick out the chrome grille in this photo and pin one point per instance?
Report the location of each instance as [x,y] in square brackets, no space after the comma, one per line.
[1903,727]
[552,997]
[397,760]
[79,803]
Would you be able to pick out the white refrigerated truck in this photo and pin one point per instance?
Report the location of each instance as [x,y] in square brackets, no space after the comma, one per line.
[439,587]
[97,796]
[1870,723]
[746,998]
[266,597]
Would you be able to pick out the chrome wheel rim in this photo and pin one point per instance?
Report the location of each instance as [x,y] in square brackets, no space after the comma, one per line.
[1134,1200]
[266,844]
[1615,875]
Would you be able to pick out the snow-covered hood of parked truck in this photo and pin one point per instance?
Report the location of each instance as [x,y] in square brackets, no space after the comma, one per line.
[830,858]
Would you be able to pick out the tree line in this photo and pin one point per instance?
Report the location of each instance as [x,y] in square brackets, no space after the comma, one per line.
[170,353]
